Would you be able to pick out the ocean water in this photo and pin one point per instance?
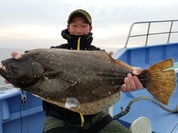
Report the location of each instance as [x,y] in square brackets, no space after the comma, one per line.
[4,54]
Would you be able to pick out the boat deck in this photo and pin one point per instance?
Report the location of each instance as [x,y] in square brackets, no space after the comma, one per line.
[161,120]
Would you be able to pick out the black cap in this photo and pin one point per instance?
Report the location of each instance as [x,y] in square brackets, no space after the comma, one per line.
[80,12]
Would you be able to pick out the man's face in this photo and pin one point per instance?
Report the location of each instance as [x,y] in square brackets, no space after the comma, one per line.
[79,26]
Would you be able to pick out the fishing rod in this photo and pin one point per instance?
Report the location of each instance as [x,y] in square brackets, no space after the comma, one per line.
[124,112]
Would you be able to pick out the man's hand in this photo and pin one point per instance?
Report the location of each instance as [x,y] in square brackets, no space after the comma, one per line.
[132,82]
[16,55]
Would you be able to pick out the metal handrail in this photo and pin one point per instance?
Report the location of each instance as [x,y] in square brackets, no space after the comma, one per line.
[147,34]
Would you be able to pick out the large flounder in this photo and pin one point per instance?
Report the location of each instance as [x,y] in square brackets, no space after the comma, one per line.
[83,81]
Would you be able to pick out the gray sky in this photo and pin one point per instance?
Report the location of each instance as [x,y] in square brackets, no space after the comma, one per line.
[32,24]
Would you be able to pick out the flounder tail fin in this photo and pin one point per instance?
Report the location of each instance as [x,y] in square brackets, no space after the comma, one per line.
[161,82]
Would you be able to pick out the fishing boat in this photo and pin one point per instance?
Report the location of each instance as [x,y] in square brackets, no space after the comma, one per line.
[21,112]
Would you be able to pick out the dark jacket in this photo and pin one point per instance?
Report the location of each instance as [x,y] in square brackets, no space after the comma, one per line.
[74,43]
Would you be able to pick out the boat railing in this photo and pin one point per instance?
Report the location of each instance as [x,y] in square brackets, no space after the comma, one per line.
[164,27]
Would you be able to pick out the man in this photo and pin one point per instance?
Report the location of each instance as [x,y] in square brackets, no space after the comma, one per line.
[60,120]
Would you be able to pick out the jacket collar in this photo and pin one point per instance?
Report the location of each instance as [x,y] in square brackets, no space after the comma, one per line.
[77,42]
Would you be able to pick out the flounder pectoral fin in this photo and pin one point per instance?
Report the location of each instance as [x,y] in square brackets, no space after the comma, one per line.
[52,74]
[50,86]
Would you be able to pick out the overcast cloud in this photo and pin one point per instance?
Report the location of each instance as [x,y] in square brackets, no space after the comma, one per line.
[38,23]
